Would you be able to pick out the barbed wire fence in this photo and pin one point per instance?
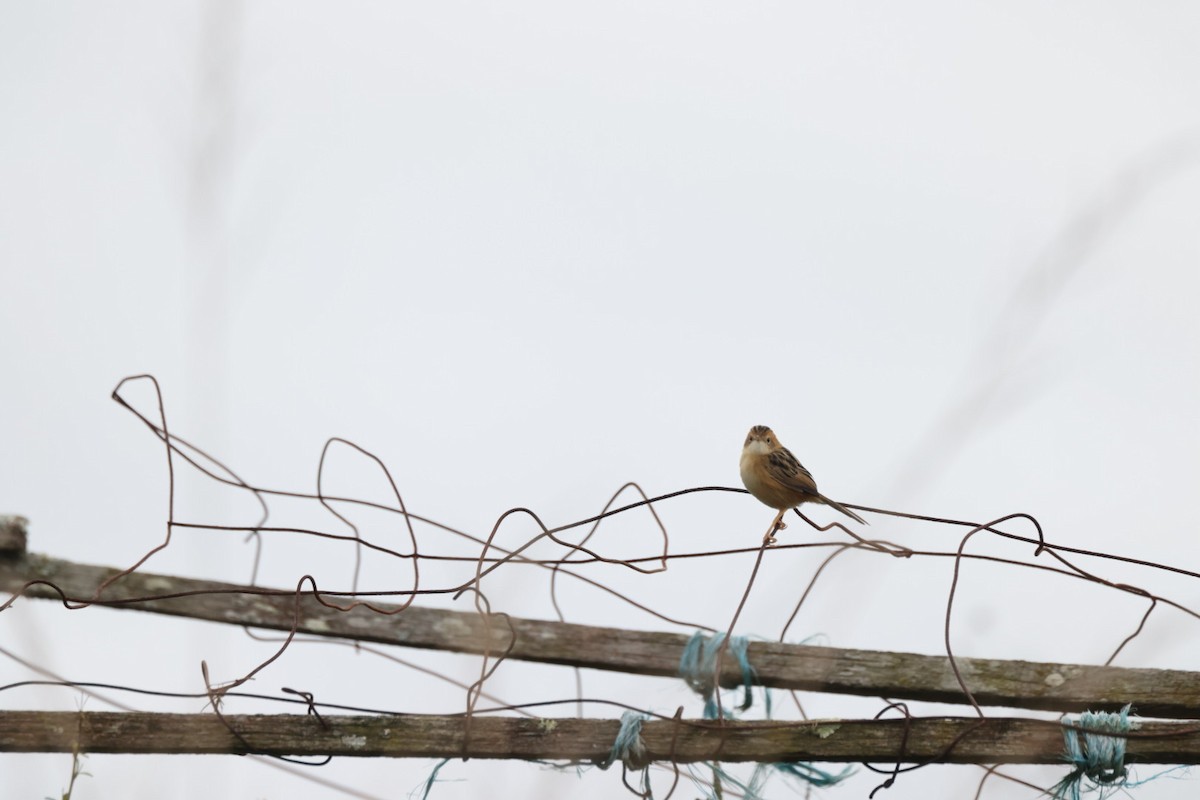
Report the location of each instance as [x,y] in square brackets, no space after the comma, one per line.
[697,746]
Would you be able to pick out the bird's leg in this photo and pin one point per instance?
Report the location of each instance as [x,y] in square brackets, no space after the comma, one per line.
[776,525]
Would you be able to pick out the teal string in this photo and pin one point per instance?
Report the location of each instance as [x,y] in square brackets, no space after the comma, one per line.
[752,789]
[698,664]
[803,772]
[1096,754]
[628,744]
[697,667]
[432,777]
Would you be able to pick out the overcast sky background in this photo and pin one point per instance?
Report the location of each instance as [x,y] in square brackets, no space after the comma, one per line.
[526,252]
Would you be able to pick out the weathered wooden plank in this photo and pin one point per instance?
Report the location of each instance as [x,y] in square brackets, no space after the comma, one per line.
[908,676]
[992,741]
[13,534]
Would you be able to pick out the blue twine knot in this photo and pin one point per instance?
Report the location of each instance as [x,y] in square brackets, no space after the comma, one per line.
[1096,753]
[697,667]
[698,664]
[628,746]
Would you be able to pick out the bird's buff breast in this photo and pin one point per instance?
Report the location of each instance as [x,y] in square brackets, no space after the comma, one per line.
[757,479]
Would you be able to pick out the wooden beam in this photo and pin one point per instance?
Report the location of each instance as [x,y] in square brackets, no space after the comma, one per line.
[13,535]
[901,676]
[991,741]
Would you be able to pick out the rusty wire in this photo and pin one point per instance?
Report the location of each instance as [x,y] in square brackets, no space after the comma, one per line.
[575,556]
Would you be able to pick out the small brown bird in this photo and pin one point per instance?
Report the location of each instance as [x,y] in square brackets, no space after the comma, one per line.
[775,477]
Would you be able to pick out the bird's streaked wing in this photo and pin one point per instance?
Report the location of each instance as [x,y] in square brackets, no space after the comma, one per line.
[786,469]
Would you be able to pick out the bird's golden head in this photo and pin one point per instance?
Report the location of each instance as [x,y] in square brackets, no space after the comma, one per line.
[761,437]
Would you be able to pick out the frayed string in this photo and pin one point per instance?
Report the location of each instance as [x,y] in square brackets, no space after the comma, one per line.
[630,750]
[698,664]
[628,745]
[1096,753]
[697,667]
[432,778]
[806,773]
[803,773]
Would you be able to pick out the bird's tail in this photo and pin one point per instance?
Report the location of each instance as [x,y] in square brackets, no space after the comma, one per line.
[842,508]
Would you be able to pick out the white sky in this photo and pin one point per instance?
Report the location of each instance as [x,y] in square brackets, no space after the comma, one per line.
[526,252]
